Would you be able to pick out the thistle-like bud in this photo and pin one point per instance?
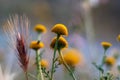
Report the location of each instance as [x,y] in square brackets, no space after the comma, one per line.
[36,45]
[62,43]
[60,29]
[106,45]
[40,28]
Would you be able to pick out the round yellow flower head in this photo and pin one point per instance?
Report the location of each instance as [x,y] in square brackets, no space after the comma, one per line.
[106,45]
[72,57]
[118,38]
[43,63]
[110,61]
[36,45]
[62,43]
[40,28]
[60,29]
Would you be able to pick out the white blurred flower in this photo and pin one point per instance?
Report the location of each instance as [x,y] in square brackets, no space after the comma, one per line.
[6,75]
[88,4]
[6,72]
[94,3]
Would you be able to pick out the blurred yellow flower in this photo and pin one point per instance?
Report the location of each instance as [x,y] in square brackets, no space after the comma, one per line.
[60,29]
[40,28]
[110,61]
[43,63]
[106,45]
[62,43]
[118,38]
[36,45]
[72,57]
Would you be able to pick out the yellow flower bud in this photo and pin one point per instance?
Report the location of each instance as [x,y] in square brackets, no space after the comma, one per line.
[43,63]
[72,57]
[36,45]
[62,43]
[60,29]
[106,45]
[110,61]
[40,28]
[118,38]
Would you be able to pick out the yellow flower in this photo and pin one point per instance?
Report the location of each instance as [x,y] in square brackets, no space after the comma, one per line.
[118,38]
[60,29]
[40,28]
[36,45]
[62,43]
[106,45]
[43,63]
[72,57]
[110,61]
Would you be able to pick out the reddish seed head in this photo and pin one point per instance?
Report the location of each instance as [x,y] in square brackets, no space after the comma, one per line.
[22,52]
[16,29]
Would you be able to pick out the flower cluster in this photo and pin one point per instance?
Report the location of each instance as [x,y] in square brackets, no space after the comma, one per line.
[107,61]
[62,54]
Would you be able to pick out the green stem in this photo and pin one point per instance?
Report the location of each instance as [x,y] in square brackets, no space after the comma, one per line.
[32,76]
[54,55]
[66,65]
[46,73]
[39,71]
[26,75]
[103,59]
[102,63]
[39,36]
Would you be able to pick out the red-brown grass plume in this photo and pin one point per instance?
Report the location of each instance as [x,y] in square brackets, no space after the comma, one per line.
[16,28]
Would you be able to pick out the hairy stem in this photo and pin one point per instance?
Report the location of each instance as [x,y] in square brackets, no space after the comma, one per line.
[54,55]
[39,71]
[46,73]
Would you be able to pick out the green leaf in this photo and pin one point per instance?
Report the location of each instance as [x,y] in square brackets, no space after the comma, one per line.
[98,67]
